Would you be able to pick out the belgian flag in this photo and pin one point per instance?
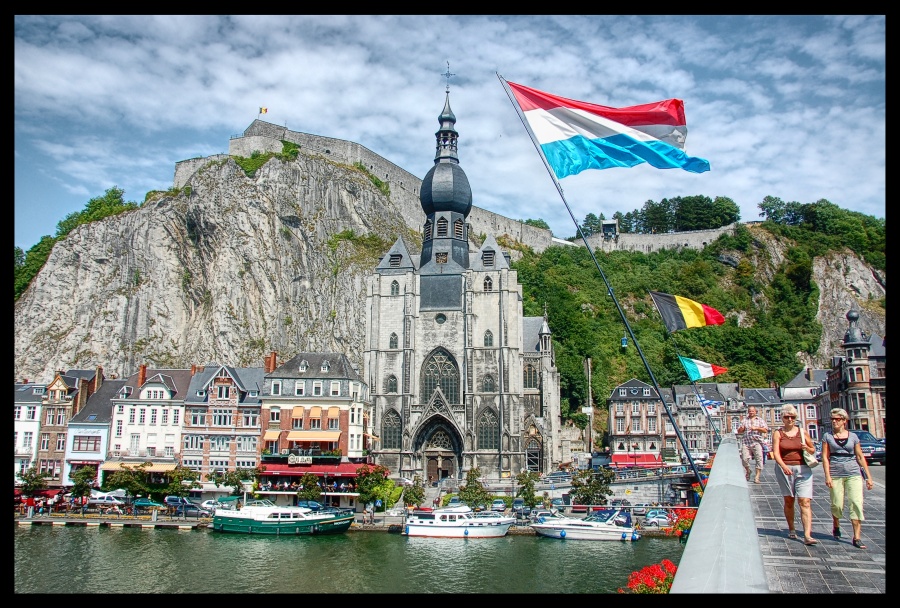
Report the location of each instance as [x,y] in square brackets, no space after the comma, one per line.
[681,313]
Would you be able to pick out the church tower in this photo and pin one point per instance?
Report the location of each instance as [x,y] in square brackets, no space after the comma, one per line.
[459,377]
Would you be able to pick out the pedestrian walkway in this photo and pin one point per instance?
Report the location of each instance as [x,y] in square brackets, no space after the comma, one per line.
[831,566]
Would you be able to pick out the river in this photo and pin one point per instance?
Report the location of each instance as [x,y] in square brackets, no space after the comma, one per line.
[68,559]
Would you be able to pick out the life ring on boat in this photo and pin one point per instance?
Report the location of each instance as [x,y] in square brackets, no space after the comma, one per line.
[562,533]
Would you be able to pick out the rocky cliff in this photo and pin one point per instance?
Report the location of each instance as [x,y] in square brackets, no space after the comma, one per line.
[234,267]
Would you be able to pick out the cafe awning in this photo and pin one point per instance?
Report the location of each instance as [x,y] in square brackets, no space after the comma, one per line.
[271,435]
[344,469]
[334,412]
[636,460]
[155,467]
[315,412]
[314,435]
[297,412]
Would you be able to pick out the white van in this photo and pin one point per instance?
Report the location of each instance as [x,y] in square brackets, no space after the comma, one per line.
[105,500]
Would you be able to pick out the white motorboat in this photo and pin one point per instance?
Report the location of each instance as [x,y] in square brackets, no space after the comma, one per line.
[607,524]
[456,522]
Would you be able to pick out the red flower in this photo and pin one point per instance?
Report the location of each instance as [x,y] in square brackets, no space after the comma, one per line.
[656,578]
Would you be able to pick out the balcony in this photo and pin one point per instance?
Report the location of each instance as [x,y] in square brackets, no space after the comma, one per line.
[318,456]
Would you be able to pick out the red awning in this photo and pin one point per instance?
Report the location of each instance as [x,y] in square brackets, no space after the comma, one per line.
[47,493]
[636,460]
[345,469]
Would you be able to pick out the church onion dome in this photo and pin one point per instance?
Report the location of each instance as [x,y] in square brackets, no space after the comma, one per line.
[445,187]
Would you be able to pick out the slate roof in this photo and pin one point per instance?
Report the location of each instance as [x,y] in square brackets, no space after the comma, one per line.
[246,379]
[176,380]
[531,334]
[339,367]
[761,396]
[99,405]
[24,393]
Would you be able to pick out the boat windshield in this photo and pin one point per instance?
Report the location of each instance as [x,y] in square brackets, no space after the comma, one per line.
[604,515]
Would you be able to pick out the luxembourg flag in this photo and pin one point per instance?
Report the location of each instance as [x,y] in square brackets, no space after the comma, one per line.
[577,135]
[697,369]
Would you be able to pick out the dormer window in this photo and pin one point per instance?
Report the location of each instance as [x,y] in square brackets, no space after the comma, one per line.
[254,393]
[487,258]
[325,366]
[126,391]
[38,390]
[304,365]
[396,258]
[201,393]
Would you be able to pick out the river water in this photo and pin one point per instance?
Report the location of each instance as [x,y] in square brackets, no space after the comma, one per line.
[68,559]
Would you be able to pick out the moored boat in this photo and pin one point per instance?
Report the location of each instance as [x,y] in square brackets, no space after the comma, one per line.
[265,517]
[456,522]
[607,524]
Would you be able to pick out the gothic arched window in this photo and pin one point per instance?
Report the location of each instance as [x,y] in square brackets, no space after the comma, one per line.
[440,370]
[391,431]
[488,284]
[393,341]
[488,384]
[395,288]
[488,338]
[488,431]
[392,384]
[529,377]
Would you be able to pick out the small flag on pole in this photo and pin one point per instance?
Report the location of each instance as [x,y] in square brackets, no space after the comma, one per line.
[263,110]
[697,369]
[680,313]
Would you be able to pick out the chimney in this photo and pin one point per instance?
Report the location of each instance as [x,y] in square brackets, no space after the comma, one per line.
[271,362]
[24,380]
[142,375]
[193,369]
[98,378]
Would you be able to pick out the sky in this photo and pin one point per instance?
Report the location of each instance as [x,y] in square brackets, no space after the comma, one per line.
[785,106]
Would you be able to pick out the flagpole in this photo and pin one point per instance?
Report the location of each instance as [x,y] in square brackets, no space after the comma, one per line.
[559,189]
[699,398]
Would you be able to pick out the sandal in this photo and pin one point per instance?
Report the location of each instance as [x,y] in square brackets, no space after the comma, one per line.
[811,541]
[857,542]
[792,535]
[836,533]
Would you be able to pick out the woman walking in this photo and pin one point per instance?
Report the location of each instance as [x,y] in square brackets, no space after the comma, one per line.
[793,475]
[843,463]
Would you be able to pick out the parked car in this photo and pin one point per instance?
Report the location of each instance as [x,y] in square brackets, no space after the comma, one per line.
[520,509]
[211,505]
[537,514]
[144,504]
[191,510]
[310,504]
[177,501]
[620,502]
[640,508]
[873,449]
[498,505]
[656,518]
[105,500]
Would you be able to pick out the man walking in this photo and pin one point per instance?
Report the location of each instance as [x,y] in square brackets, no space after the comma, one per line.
[754,430]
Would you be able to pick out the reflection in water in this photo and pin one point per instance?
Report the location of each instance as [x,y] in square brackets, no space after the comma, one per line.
[129,560]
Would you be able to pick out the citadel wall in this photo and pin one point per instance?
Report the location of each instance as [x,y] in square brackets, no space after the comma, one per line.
[264,136]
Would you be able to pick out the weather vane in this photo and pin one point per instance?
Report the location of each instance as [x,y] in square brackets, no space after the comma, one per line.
[447,75]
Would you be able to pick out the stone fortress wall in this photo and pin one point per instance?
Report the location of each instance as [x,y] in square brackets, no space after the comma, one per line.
[404,187]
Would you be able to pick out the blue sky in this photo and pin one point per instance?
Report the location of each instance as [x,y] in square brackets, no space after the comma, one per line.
[792,107]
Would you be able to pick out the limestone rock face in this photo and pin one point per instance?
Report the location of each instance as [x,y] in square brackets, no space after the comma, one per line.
[241,266]
[237,268]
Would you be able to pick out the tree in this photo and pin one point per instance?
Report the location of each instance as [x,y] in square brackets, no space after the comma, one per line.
[537,223]
[414,494]
[132,479]
[181,481]
[31,481]
[525,482]
[234,479]
[32,263]
[591,225]
[112,202]
[473,492]
[373,484]
[309,489]
[83,481]
[591,487]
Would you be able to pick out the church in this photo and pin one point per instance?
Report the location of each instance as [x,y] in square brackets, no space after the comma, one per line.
[459,378]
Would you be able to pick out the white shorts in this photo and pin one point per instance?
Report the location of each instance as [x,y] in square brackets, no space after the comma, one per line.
[799,484]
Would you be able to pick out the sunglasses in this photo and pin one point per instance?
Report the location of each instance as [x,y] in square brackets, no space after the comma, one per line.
[838,419]
[788,417]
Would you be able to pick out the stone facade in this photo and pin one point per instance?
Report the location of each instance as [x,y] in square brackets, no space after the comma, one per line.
[459,377]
